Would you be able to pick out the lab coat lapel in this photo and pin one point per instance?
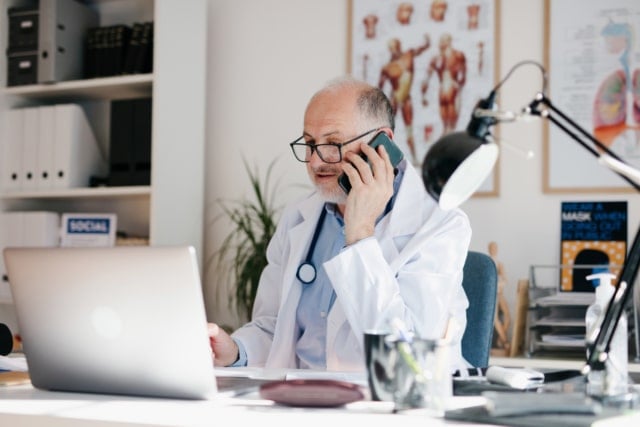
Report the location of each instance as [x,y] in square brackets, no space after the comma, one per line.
[410,198]
[299,237]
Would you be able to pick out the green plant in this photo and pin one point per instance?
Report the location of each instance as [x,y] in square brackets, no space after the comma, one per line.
[242,254]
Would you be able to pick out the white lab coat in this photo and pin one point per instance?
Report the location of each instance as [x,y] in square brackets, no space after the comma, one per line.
[411,269]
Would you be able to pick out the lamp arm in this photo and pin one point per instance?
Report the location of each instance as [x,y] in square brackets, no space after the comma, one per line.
[598,350]
[574,130]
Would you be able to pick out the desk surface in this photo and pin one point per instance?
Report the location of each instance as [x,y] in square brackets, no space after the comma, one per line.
[29,407]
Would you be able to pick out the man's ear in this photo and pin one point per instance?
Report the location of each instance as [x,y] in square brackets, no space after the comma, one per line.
[388,131]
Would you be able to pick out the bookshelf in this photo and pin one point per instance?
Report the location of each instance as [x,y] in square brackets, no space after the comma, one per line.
[170,210]
[100,88]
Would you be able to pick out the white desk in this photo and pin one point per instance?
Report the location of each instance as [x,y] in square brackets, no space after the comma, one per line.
[27,407]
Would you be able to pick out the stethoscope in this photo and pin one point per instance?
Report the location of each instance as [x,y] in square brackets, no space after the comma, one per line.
[307,271]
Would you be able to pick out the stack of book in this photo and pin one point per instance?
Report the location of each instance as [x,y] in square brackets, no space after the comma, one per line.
[119,49]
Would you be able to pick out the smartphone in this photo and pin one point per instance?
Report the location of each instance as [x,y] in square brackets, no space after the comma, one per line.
[394,152]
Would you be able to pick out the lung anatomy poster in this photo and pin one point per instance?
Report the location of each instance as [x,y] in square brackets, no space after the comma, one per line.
[593,239]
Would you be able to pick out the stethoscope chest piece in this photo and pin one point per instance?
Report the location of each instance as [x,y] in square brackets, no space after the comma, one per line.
[306,273]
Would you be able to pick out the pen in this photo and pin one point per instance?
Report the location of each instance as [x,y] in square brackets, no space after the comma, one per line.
[404,347]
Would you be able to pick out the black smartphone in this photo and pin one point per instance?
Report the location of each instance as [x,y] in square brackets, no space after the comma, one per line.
[394,152]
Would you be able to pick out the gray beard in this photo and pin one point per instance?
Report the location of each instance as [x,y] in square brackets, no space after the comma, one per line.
[337,196]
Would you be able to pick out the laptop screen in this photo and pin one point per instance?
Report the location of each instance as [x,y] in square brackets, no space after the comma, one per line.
[118,320]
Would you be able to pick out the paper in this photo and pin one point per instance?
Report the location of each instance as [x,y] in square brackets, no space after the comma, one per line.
[359,378]
[250,372]
[14,363]
[519,378]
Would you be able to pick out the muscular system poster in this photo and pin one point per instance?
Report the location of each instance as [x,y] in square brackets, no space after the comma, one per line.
[434,59]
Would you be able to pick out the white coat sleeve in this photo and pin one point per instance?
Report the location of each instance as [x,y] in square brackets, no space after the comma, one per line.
[421,284]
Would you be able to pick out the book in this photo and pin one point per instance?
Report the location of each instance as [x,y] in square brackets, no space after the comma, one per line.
[106,50]
[120,41]
[133,48]
[144,57]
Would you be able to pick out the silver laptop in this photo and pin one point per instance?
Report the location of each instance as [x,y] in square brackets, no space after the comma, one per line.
[121,320]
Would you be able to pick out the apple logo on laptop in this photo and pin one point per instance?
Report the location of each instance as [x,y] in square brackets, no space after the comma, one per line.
[106,322]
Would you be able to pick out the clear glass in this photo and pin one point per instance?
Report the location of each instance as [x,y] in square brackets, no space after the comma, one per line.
[414,374]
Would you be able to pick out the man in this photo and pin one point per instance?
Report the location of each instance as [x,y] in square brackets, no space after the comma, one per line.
[451,67]
[399,73]
[385,251]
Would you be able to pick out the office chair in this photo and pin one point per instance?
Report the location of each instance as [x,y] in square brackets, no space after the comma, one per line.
[480,283]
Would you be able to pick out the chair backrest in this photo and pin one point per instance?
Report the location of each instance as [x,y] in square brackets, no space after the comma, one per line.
[480,283]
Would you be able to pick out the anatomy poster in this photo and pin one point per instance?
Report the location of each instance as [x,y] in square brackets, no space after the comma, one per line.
[433,58]
[594,78]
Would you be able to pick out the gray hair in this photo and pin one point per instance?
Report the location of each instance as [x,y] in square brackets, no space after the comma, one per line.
[372,102]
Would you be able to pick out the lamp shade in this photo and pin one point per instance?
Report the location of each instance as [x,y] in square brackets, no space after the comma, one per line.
[455,167]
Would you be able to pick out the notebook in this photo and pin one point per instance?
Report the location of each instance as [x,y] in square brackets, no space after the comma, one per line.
[119,320]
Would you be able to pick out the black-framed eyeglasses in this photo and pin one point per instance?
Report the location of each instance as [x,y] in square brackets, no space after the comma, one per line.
[329,153]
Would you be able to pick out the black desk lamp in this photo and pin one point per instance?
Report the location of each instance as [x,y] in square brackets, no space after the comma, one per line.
[457,164]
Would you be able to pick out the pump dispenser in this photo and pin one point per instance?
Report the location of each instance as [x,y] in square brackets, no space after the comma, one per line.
[611,381]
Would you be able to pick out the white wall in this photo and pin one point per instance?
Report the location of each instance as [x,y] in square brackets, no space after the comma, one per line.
[267,57]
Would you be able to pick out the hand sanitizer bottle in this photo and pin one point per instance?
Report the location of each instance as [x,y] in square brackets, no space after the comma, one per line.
[612,380]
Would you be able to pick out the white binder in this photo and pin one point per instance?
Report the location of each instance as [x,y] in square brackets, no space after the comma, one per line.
[44,164]
[62,25]
[30,148]
[76,153]
[12,150]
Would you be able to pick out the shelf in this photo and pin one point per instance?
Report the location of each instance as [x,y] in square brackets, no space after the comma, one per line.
[177,88]
[117,87]
[560,300]
[71,193]
[547,321]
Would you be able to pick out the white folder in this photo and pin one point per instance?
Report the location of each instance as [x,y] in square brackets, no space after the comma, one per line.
[46,147]
[28,228]
[11,234]
[30,148]
[41,228]
[12,150]
[77,156]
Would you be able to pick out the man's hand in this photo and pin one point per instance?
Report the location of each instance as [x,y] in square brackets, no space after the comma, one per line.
[225,351]
[371,189]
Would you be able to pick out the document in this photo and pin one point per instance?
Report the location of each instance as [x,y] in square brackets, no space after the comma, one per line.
[13,363]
